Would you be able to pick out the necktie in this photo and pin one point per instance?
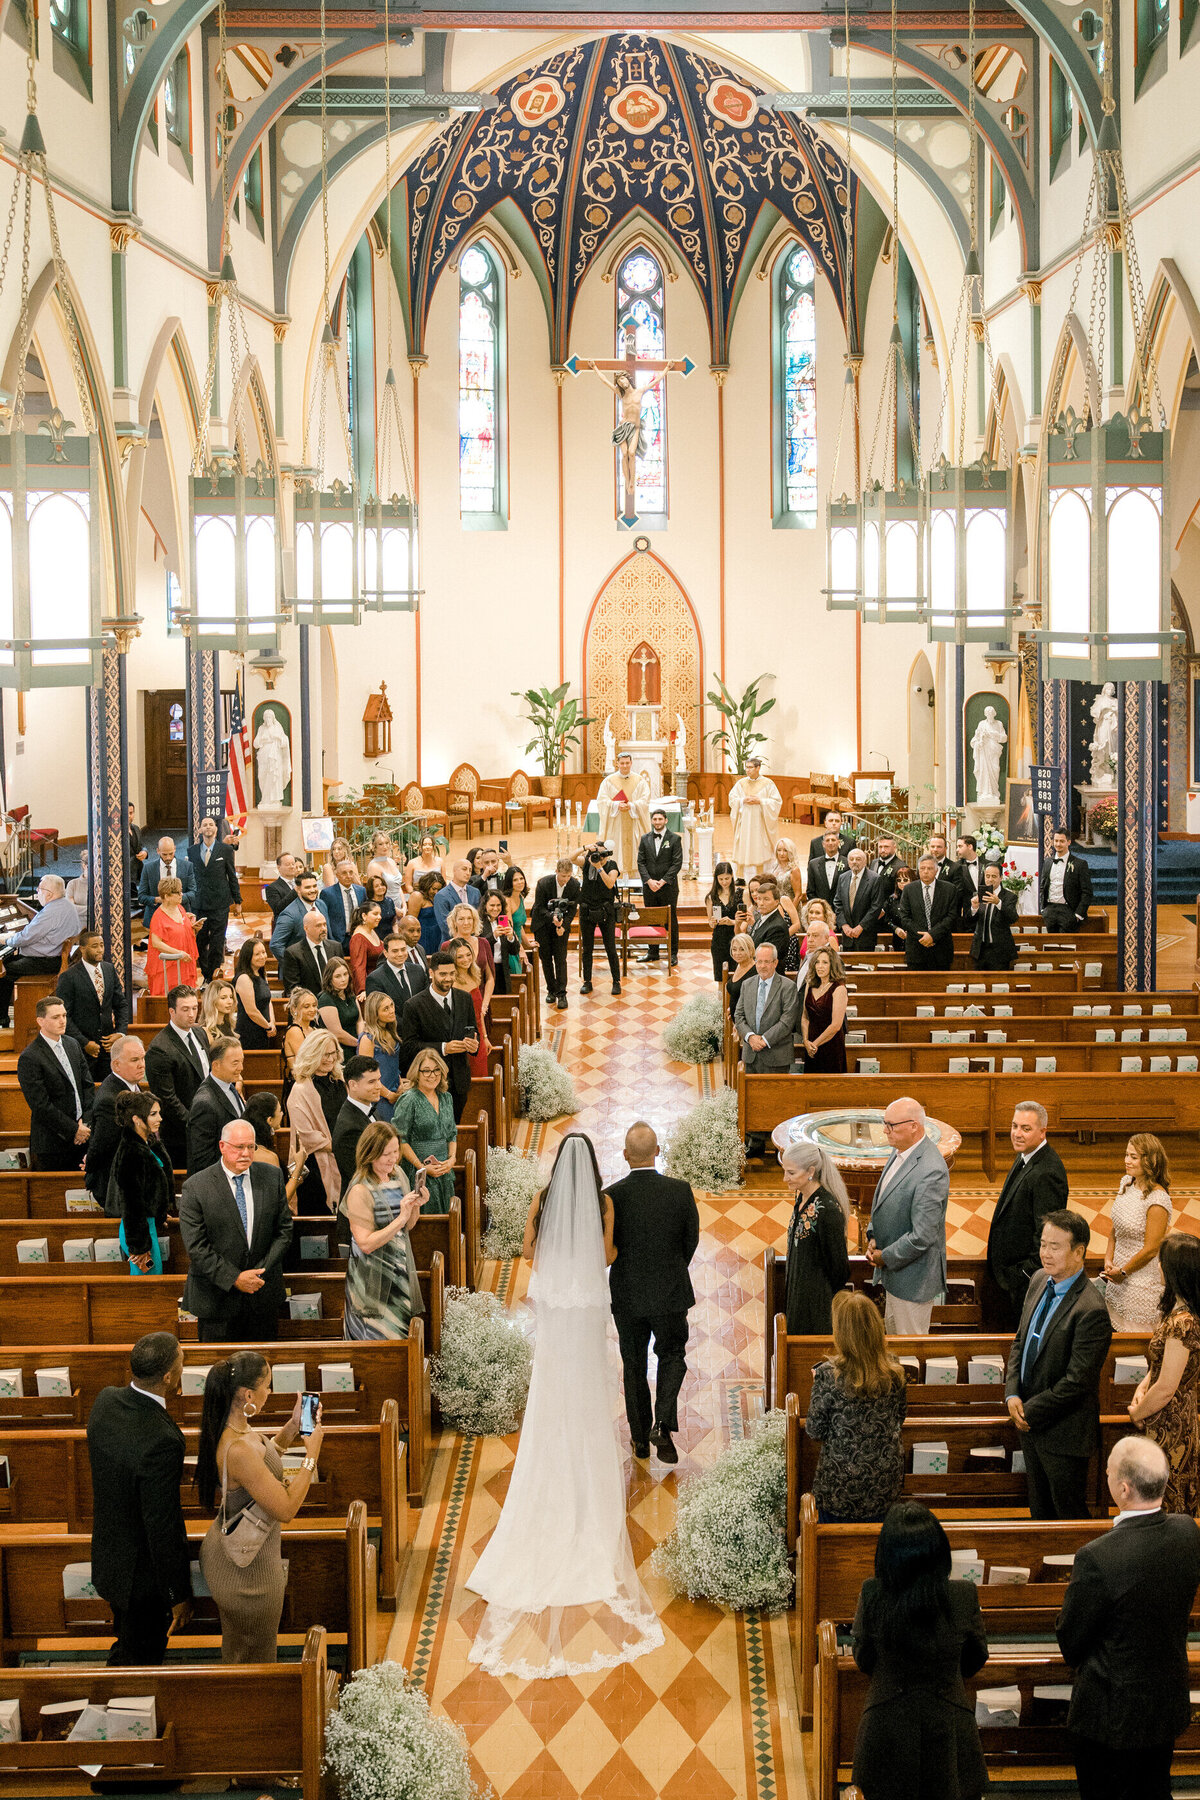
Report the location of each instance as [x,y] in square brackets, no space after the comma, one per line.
[319,955]
[193,1052]
[169,868]
[928,892]
[348,904]
[239,1194]
[64,1059]
[98,982]
[235,1100]
[1033,1342]
[205,853]
[764,990]
[853,891]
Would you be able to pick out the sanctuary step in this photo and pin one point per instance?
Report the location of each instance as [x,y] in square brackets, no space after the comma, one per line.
[1177,864]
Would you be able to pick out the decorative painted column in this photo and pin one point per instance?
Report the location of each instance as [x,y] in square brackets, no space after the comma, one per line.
[1055,737]
[1031,287]
[203,701]
[1137,809]
[108,813]
[306,805]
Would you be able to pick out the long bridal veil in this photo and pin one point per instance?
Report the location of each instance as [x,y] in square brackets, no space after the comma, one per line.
[558,1572]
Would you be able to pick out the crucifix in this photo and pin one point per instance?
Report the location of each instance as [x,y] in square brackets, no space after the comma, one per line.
[628,432]
[643,662]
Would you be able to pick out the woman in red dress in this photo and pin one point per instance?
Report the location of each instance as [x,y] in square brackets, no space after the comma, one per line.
[171,955]
[365,947]
[469,977]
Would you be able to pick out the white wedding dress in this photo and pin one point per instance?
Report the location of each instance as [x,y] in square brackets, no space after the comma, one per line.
[558,1572]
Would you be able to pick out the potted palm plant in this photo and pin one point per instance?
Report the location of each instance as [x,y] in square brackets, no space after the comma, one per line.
[557,723]
[737,736]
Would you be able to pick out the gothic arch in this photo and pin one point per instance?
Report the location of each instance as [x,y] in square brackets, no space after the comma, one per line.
[642,598]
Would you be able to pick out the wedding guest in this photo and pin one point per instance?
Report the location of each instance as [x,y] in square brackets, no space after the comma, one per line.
[426,861]
[741,960]
[927,913]
[1164,1403]
[216,1102]
[765,1019]
[469,980]
[52,1074]
[424,1119]
[722,904]
[1065,893]
[1035,1185]
[784,869]
[459,891]
[919,1636]
[236,1229]
[463,924]
[496,931]
[381,1040]
[906,1234]
[235,1466]
[817,937]
[217,894]
[375,888]
[177,1061]
[383,1294]
[166,866]
[137,855]
[126,1076]
[823,1013]
[855,1412]
[172,959]
[337,1004]
[302,1022]
[994,913]
[858,901]
[388,864]
[444,1019]
[891,911]
[313,1107]
[1141,1218]
[746,918]
[366,950]
[289,924]
[282,891]
[304,960]
[265,1113]
[421,907]
[358,1110]
[218,1010]
[818,1264]
[97,1010]
[339,902]
[402,973]
[516,892]
[142,1180]
[339,852]
[255,1020]
[771,925]
[818,912]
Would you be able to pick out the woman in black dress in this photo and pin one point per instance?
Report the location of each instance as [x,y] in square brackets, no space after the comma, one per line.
[722,903]
[823,1015]
[741,964]
[818,1263]
[855,1412]
[141,1185]
[255,1024]
[918,1635]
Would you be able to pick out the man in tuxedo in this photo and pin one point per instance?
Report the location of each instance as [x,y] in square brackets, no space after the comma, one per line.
[935,846]
[236,1228]
[656,1228]
[906,1233]
[126,1076]
[1054,1367]
[928,910]
[217,1101]
[402,974]
[884,863]
[358,1109]
[289,924]
[165,866]
[458,891]
[1034,1186]
[442,1019]
[660,859]
[97,1011]
[858,903]
[490,877]
[339,904]
[282,891]
[1124,1629]
[834,822]
[995,909]
[555,902]
[1066,887]
[304,961]
[217,894]
[53,1074]
[176,1064]
[141,1559]
[37,948]
[771,924]
[968,871]
[825,869]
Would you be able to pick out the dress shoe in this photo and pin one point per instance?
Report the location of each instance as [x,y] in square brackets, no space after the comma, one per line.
[642,1452]
[586,988]
[616,988]
[663,1447]
[561,1003]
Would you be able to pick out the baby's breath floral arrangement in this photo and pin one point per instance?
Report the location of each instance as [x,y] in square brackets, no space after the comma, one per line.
[728,1544]
[384,1743]
[694,1034]
[705,1148]
[512,1181]
[481,1378]
[547,1091]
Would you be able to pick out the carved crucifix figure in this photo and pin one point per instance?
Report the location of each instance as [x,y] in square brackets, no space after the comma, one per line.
[628,434]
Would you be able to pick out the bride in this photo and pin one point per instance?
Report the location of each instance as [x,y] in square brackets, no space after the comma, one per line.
[558,1572]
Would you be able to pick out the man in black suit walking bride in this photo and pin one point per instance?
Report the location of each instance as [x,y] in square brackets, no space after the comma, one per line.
[656,1227]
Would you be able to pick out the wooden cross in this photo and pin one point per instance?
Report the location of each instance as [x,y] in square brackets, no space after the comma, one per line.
[643,662]
[631,365]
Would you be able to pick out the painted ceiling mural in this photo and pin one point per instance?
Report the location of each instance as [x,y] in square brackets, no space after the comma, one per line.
[621,125]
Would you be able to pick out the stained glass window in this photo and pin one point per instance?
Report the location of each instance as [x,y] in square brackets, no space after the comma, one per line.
[640,303]
[479,421]
[796,400]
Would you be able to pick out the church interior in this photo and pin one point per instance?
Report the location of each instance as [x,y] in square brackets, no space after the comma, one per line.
[436,421]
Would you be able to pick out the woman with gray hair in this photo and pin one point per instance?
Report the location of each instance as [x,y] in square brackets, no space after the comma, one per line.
[818,1263]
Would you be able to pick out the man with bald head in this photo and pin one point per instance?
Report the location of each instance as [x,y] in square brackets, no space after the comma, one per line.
[656,1228]
[906,1236]
[236,1228]
[166,866]
[457,892]
[37,948]
[126,1075]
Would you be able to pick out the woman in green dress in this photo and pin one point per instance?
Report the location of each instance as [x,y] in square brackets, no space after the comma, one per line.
[424,1118]
[382,1290]
[337,1005]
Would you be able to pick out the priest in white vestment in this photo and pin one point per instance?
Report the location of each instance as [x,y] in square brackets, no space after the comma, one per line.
[624,807]
[755,804]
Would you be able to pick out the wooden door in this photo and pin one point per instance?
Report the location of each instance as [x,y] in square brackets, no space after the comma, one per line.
[165,758]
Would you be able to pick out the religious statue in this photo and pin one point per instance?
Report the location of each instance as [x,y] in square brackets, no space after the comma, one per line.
[272,759]
[680,742]
[631,397]
[1104,741]
[755,804]
[624,807]
[989,740]
[610,745]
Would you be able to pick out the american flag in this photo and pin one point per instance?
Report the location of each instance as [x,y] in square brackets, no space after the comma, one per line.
[239,763]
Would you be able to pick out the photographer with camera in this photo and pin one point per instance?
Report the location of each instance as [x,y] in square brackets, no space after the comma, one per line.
[598,910]
[555,901]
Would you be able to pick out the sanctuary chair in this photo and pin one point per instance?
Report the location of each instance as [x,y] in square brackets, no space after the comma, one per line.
[521,796]
[414,800]
[645,925]
[470,801]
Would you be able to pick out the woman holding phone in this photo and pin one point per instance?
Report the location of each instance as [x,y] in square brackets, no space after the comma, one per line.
[382,1291]
[424,1119]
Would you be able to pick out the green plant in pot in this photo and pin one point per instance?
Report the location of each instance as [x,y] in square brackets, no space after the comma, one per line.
[557,724]
[737,737]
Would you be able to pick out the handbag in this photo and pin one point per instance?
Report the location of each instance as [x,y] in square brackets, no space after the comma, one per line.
[246,1534]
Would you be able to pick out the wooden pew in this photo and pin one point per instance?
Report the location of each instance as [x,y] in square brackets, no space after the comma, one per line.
[487,1098]
[1035,1001]
[217,1721]
[332,1582]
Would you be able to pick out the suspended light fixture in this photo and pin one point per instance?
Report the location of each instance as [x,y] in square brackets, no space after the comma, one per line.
[50,550]
[843,516]
[390,559]
[327,523]
[1104,482]
[236,560]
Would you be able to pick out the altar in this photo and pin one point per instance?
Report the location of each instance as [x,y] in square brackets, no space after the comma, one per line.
[645,748]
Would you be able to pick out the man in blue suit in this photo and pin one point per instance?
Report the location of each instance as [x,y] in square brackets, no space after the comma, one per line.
[458,892]
[338,903]
[289,926]
[162,867]
[906,1237]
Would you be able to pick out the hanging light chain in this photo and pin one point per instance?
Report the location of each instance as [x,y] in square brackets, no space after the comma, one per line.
[851,382]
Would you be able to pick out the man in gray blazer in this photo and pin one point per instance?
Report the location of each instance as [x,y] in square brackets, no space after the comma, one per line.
[765,1022]
[906,1236]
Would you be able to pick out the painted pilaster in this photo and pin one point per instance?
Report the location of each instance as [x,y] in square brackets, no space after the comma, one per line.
[1032,291]
[108,816]
[1137,805]
[120,238]
[306,804]
[203,726]
[1055,736]
[280,334]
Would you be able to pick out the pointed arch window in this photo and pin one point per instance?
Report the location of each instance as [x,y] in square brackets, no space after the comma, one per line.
[641,303]
[482,471]
[795,359]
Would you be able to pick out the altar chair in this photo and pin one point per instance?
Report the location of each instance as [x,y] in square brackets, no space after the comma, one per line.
[469,801]
[645,925]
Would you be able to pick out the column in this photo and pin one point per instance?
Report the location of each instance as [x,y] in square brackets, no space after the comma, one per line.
[1137,806]
[203,726]
[1032,290]
[108,813]
[1055,738]
[306,748]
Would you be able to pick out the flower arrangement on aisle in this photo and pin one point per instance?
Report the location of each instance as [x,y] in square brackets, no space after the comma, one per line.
[481,1378]
[1015,880]
[546,1088]
[728,1545]
[705,1149]
[384,1742]
[1105,818]
[694,1035]
[512,1180]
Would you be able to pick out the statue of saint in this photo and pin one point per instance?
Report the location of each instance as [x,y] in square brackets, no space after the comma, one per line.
[989,740]
[272,759]
[610,745]
[1104,739]
[680,742]
[755,804]
[623,804]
